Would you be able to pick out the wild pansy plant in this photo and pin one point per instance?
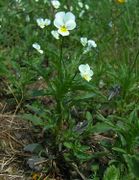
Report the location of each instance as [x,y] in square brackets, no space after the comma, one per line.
[83,105]
[63,81]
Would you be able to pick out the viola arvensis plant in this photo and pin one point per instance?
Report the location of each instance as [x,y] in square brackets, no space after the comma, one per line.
[85,72]
[64,22]
[43,22]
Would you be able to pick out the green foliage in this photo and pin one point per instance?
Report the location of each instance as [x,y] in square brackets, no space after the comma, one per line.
[112,173]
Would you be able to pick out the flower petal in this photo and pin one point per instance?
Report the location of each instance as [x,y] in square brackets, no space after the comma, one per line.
[60,15]
[59,19]
[40,51]
[36,46]
[47,22]
[87,77]
[83,41]
[70,24]
[66,33]
[83,68]
[58,23]
[86,67]
[92,43]
[55,34]
[55,3]
[90,73]
[69,16]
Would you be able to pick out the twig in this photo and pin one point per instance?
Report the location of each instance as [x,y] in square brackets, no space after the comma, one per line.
[78,171]
[7,162]
[14,139]
[14,176]
[5,115]
[41,162]
[18,106]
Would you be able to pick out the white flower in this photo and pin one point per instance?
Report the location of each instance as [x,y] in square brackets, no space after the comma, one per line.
[43,22]
[55,34]
[37,47]
[64,22]
[92,43]
[85,72]
[83,41]
[89,44]
[55,3]
[110,24]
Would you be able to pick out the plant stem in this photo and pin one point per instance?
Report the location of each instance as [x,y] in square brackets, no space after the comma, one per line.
[59,98]
[134,62]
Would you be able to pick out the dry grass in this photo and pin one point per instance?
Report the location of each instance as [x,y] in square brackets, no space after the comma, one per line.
[14,135]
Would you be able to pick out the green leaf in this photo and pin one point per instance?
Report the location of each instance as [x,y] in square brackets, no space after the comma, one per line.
[34,119]
[112,173]
[102,127]
[133,164]
[82,155]
[36,93]
[33,148]
[119,150]
[85,96]
[68,145]
[89,116]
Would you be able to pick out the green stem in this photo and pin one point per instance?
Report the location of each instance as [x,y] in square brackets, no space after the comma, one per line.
[59,97]
[63,67]
[134,62]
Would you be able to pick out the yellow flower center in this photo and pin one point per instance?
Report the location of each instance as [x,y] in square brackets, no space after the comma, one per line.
[63,29]
[86,77]
[121,1]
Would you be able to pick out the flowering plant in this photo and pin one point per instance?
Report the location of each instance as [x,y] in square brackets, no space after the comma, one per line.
[75,76]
